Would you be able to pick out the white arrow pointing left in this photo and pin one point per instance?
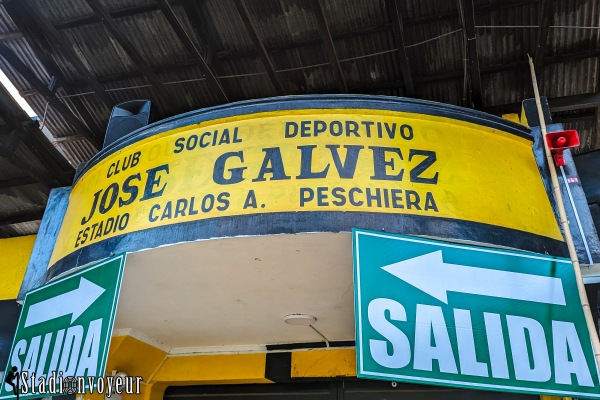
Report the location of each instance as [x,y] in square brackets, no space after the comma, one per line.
[430,274]
[74,302]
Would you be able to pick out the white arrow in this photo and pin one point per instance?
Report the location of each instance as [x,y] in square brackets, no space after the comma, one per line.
[433,276]
[74,302]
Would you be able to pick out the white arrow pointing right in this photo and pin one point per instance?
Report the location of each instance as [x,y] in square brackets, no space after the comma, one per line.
[430,274]
[74,302]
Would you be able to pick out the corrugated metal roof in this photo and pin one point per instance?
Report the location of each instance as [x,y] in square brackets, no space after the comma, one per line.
[224,27]
[362,33]
[435,48]
[96,49]
[555,85]
[450,92]
[28,169]
[9,171]
[344,15]
[27,56]
[431,57]
[506,87]
[63,10]
[15,200]
[506,45]
[575,13]
[22,229]
[419,8]
[154,39]
[78,150]
[245,78]
[283,22]
[369,60]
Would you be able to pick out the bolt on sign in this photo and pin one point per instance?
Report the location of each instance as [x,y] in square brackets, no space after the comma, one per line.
[437,313]
[64,331]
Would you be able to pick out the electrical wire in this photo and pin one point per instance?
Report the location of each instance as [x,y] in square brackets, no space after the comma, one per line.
[535,26]
[433,38]
[465,60]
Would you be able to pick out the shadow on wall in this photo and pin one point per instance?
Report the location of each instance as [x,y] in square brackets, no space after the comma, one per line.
[9,310]
[593,294]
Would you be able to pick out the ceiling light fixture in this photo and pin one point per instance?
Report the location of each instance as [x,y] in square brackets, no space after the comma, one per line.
[299,319]
[304,320]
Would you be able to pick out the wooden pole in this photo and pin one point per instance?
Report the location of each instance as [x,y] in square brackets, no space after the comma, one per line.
[564,223]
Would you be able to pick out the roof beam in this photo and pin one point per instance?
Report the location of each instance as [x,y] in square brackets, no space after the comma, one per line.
[191,47]
[556,104]
[17,182]
[517,65]
[143,8]
[8,152]
[54,162]
[18,128]
[258,44]
[8,36]
[40,176]
[34,214]
[468,24]
[109,23]
[329,47]
[371,89]
[133,10]
[398,28]
[576,102]
[60,44]
[296,44]
[118,13]
[194,16]
[230,55]
[573,118]
[485,70]
[547,11]
[39,45]
[482,9]
[55,103]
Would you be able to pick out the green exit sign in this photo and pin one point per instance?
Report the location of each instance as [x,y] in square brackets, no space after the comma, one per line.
[64,331]
[437,313]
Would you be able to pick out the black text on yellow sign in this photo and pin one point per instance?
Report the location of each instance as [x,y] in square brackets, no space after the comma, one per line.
[310,160]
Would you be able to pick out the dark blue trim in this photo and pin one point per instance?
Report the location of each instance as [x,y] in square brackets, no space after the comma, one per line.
[308,221]
[56,208]
[311,102]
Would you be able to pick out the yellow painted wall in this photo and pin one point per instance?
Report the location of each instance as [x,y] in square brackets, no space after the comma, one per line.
[133,357]
[15,256]
[554,398]
[514,117]
[323,363]
[160,370]
[213,369]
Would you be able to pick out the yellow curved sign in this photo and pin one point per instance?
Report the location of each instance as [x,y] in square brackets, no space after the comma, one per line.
[311,160]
